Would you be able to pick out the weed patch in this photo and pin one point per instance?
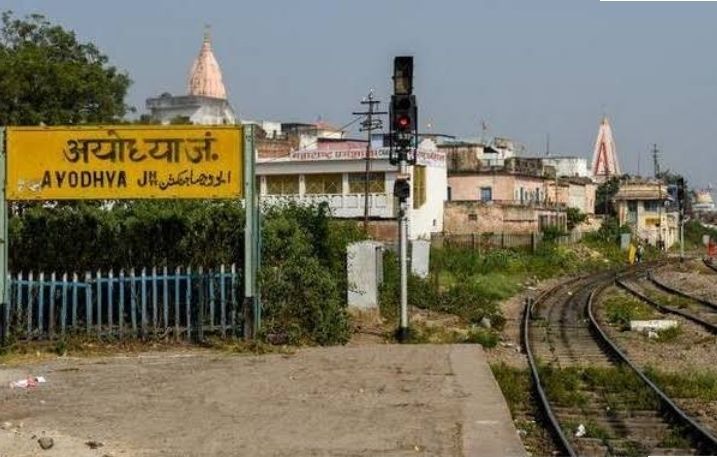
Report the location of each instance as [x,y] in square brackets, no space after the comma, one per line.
[701,385]
[619,387]
[515,384]
[621,308]
[669,334]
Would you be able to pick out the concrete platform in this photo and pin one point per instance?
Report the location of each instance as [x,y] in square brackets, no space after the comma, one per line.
[388,400]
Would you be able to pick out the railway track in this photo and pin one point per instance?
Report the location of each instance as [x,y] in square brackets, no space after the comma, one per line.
[697,310]
[582,378]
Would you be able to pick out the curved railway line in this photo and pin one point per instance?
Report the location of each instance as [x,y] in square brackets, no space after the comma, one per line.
[568,353]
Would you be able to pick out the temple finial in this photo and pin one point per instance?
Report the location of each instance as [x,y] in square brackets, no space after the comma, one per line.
[207,33]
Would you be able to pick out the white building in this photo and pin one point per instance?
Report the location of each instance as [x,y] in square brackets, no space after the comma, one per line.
[574,167]
[334,172]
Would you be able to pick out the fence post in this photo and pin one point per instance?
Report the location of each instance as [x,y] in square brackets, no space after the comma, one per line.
[110,301]
[98,278]
[233,293]
[201,299]
[29,303]
[18,301]
[75,280]
[88,301]
[223,300]
[189,303]
[63,310]
[143,285]
[533,242]
[177,271]
[154,299]
[133,300]
[165,298]
[210,278]
[120,307]
[41,305]
[51,321]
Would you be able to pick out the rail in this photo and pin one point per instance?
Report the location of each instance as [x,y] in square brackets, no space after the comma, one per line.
[672,290]
[703,436]
[710,265]
[667,309]
[557,430]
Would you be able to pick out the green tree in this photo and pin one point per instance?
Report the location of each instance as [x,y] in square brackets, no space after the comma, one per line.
[48,76]
[575,217]
[604,195]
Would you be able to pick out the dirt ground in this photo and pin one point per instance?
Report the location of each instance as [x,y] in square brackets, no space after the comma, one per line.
[387,400]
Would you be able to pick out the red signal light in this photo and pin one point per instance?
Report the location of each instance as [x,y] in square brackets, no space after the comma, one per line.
[403,122]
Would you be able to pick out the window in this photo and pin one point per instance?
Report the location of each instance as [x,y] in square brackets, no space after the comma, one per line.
[632,212]
[486,194]
[419,186]
[450,193]
[329,183]
[282,185]
[376,183]
[652,206]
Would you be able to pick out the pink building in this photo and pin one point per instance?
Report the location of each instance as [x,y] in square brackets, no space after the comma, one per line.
[522,196]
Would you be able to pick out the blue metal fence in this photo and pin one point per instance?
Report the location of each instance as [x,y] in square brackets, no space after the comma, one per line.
[154,303]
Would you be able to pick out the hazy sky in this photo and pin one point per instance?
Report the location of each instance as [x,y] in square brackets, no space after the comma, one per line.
[527,67]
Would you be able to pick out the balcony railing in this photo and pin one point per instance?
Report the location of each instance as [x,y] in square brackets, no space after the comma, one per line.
[342,205]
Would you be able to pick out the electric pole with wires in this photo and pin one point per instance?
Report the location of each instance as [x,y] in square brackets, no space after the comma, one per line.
[369,124]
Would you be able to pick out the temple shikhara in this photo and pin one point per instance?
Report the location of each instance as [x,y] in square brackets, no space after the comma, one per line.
[206,100]
[605,164]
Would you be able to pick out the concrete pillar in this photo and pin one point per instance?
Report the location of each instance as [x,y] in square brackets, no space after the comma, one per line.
[365,272]
[420,257]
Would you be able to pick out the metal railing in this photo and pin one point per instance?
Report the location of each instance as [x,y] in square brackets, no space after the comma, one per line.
[148,304]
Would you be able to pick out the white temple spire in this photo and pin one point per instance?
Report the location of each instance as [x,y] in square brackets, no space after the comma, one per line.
[205,77]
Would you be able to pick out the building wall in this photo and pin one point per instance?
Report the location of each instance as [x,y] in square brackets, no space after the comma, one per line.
[479,217]
[580,195]
[429,217]
[463,156]
[504,187]
[423,220]
[569,166]
[200,110]
[650,224]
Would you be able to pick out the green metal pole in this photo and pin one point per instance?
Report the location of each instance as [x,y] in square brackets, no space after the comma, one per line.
[252,309]
[4,242]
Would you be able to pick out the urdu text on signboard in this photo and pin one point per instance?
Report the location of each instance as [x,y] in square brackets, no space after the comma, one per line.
[124,162]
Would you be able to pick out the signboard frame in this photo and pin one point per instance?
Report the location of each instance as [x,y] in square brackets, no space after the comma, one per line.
[246,172]
[113,162]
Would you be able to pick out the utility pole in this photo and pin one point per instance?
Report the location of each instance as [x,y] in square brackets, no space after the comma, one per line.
[547,145]
[404,138]
[368,125]
[682,204]
[656,160]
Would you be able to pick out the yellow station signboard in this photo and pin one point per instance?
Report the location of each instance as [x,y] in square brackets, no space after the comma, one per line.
[124,162]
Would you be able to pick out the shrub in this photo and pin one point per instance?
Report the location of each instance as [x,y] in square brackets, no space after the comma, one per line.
[303,265]
[575,217]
